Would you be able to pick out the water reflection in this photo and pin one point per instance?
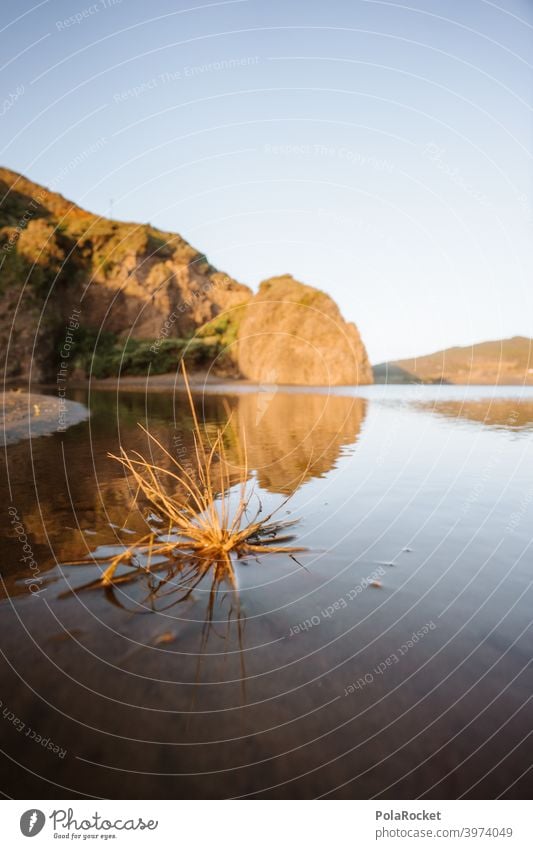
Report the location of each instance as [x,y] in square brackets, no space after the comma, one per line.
[166,583]
[510,414]
[290,437]
[73,498]
[149,701]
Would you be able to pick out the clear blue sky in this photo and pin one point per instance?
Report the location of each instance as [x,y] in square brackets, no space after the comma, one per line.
[378,150]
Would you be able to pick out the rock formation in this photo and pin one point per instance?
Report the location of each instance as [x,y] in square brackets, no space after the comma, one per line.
[123,278]
[291,333]
[82,294]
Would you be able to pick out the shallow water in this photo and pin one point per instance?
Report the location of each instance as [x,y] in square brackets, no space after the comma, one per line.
[392,660]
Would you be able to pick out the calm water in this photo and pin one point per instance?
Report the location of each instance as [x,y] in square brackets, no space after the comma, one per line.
[416,507]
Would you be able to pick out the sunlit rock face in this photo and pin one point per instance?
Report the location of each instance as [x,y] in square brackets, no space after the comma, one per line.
[123,278]
[291,333]
[128,283]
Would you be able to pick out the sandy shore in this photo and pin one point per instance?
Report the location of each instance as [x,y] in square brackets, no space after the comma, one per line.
[172,381]
[26,415]
[200,381]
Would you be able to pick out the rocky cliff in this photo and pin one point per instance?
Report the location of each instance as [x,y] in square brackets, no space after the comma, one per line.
[291,333]
[120,278]
[81,294]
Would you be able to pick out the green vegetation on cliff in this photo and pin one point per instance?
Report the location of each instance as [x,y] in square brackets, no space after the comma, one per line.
[143,299]
[105,355]
[124,280]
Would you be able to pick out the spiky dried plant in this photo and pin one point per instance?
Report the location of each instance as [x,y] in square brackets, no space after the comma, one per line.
[206,514]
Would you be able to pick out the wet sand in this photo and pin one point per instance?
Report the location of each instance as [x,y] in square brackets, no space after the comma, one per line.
[26,415]
[162,382]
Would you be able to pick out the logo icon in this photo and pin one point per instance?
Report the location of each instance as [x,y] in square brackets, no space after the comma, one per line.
[32,822]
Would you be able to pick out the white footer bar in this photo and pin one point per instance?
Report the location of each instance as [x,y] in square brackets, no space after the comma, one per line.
[267,824]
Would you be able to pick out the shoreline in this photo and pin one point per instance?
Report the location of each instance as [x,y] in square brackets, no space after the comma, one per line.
[204,381]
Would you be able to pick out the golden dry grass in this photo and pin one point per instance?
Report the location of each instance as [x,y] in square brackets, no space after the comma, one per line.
[206,512]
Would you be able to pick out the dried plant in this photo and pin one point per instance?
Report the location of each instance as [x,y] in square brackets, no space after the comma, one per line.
[206,511]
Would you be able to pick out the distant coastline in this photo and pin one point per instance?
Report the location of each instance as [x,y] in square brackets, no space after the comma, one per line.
[503,362]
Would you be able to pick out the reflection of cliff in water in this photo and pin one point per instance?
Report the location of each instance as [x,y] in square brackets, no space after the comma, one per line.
[500,413]
[291,438]
[72,498]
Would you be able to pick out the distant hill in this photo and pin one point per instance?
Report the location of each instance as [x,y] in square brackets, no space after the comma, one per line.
[106,297]
[503,362]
